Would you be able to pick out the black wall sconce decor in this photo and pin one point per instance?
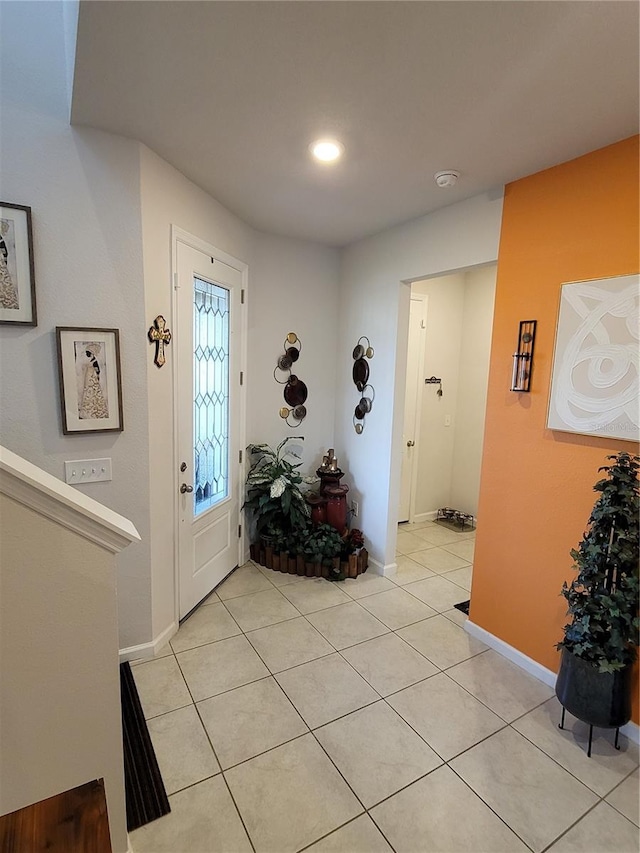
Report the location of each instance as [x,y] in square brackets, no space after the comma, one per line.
[295,391]
[523,356]
[360,374]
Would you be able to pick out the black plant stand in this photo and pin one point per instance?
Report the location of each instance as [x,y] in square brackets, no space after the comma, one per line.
[616,743]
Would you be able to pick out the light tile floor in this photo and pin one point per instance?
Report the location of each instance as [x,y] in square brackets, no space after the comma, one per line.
[292,714]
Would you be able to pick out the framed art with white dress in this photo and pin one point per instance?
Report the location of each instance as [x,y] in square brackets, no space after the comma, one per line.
[90,383]
[17,276]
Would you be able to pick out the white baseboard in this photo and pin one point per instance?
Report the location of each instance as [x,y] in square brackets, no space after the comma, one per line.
[547,676]
[146,651]
[419,517]
[519,658]
[377,568]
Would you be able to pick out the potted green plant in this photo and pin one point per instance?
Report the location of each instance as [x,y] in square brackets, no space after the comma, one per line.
[600,641]
[274,490]
[296,539]
[322,546]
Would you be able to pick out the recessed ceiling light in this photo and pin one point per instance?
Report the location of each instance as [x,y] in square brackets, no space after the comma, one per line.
[326,150]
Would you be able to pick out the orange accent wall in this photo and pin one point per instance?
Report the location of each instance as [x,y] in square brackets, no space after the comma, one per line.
[576,221]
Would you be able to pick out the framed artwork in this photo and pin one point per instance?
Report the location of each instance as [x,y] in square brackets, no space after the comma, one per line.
[17,279]
[594,382]
[90,383]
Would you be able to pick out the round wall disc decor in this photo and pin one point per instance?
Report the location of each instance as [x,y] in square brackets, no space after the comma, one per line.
[295,391]
[360,374]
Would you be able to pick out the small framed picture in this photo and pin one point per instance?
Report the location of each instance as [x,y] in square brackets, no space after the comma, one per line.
[17,279]
[90,383]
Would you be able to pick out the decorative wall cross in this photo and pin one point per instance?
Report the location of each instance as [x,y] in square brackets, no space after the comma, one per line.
[159,335]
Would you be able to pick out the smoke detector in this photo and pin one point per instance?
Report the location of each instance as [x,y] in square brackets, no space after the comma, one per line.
[447,178]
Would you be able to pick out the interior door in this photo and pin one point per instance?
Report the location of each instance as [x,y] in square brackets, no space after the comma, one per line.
[208,328]
[412,402]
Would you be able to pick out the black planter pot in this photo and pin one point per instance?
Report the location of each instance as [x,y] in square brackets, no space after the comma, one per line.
[600,699]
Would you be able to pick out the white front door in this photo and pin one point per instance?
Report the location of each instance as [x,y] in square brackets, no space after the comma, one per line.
[412,403]
[207,332]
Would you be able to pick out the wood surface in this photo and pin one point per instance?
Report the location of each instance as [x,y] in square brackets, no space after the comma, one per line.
[72,822]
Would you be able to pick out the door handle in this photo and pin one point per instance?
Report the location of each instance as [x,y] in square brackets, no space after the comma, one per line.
[184,489]
[410,443]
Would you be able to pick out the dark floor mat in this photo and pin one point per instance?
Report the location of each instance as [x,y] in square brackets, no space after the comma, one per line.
[146,796]
[463,606]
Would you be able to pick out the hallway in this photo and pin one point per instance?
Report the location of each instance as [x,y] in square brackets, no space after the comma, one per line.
[289,713]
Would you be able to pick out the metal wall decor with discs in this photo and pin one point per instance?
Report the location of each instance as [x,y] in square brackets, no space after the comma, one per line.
[295,391]
[360,373]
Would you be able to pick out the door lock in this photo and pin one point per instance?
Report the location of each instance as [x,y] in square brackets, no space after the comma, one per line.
[183,467]
[410,443]
[184,489]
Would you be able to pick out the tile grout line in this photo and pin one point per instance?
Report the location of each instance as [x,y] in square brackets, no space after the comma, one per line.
[309,729]
[507,722]
[342,826]
[490,807]
[312,732]
[566,769]
[384,699]
[569,828]
[445,762]
[305,616]
[206,732]
[339,651]
[381,698]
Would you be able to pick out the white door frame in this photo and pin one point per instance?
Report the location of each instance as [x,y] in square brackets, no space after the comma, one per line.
[179,235]
[424,299]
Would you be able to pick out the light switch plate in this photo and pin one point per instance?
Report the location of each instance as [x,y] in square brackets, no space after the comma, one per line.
[87,471]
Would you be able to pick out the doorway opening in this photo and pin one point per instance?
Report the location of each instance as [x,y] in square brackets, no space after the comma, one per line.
[447,369]
[450,325]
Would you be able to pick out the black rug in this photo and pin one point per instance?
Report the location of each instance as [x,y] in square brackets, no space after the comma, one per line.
[463,606]
[146,796]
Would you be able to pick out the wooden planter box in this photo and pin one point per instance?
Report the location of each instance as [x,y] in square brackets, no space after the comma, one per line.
[295,564]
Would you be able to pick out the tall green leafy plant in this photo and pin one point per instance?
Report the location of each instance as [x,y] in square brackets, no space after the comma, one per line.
[274,493]
[603,599]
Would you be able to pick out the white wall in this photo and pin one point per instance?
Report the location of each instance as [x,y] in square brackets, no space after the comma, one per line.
[168,198]
[83,188]
[103,207]
[475,349]
[292,286]
[373,302]
[60,697]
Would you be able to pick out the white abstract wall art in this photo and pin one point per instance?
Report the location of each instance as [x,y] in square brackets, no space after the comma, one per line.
[594,382]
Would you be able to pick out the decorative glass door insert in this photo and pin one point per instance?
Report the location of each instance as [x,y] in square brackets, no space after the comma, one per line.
[210,394]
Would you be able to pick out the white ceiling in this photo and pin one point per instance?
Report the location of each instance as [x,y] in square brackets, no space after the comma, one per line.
[232,93]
